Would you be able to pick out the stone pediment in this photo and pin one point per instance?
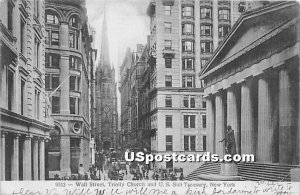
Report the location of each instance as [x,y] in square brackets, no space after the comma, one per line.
[249,31]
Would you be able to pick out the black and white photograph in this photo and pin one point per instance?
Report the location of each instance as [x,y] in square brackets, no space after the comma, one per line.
[140,97]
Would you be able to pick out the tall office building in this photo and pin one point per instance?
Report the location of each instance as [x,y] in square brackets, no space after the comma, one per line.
[184,34]
[24,122]
[67,61]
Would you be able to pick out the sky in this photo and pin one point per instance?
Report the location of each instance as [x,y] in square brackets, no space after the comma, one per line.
[127,26]
[127,23]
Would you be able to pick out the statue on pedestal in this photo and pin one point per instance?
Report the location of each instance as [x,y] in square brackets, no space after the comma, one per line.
[230,146]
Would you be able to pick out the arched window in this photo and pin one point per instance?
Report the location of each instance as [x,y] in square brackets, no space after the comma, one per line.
[55,138]
[74,22]
[51,17]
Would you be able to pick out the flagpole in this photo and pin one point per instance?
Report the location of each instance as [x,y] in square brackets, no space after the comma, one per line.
[59,86]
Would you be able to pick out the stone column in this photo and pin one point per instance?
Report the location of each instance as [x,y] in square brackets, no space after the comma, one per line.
[42,159]
[2,159]
[247,120]
[210,130]
[35,159]
[232,116]
[220,128]
[27,159]
[285,118]
[15,159]
[65,162]
[265,128]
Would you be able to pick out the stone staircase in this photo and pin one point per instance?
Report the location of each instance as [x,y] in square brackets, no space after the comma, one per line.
[248,171]
[206,168]
[269,172]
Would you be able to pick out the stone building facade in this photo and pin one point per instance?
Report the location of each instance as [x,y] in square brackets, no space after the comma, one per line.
[24,121]
[252,84]
[68,79]
[106,98]
[183,36]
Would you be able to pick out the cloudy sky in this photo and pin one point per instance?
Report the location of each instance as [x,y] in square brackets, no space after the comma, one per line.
[127,24]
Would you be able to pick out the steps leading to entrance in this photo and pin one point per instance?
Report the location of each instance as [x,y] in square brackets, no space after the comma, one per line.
[248,171]
[206,168]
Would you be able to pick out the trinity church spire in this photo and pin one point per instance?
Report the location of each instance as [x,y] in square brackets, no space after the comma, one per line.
[104,50]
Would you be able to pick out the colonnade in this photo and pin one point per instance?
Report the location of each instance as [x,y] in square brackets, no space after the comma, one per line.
[26,152]
[262,111]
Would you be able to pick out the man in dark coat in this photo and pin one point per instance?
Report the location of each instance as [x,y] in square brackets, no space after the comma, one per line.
[230,147]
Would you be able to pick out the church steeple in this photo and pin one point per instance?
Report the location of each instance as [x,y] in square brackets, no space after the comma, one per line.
[104,50]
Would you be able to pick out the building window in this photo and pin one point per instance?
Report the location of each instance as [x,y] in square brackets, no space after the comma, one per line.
[203,121]
[22,96]
[51,18]
[223,31]
[73,40]
[52,60]
[189,143]
[203,104]
[55,38]
[169,143]
[74,142]
[206,47]
[37,104]
[189,121]
[206,13]
[202,83]
[36,53]
[169,164]
[188,63]
[168,27]
[74,22]
[189,101]
[72,105]
[10,9]
[224,14]
[168,101]
[51,81]
[206,30]
[188,46]
[168,44]
[204,142]
[47,81]
[22,36]
[167,10]
[188,11]
[72,83]
[188,81]
[168,62]
[168,81]
[203,62]
[10,89]
[187,29]
[74,62]
[168,121]
[55,104]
